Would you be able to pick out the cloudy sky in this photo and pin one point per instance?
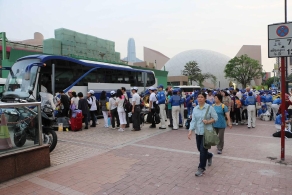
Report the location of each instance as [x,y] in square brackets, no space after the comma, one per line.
[169,26]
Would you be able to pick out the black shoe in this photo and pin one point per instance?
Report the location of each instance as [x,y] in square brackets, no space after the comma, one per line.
[92,125]
[162,128]
[137,130]
[86,128]
[170,125]
[248,127]
[180,125]
[152,127]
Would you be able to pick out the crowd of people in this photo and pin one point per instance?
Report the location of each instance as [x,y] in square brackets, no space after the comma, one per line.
[206,109]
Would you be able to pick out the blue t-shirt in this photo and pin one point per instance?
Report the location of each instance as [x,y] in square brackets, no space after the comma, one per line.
[221,122]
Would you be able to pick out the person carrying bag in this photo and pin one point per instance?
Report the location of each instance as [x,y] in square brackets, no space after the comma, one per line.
[203,117]
[5,141]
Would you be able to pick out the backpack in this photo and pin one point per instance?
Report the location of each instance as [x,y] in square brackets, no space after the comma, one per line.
[127,105]
[222,105]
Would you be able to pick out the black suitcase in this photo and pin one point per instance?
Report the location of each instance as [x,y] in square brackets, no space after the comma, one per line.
[188,122]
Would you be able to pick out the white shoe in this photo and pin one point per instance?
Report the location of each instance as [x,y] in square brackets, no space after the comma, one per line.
[97,123]
[236,124]
[120,129]
[233,123]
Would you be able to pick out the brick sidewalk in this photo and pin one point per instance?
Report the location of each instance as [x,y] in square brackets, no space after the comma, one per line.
[103,161]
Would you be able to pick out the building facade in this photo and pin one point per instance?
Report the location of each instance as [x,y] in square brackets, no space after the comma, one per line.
[254,52]
[156,57]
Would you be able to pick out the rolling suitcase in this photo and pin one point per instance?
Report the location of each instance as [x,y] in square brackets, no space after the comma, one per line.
[76,120]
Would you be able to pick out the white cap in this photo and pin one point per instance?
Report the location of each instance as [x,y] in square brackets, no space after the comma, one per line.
[91,92]
[152,88]
[112,92]
[135,88]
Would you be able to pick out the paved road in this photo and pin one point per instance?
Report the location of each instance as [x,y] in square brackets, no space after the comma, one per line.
[105,161]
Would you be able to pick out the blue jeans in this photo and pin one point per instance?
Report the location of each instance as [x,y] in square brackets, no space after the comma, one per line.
[204,154]
[190,109]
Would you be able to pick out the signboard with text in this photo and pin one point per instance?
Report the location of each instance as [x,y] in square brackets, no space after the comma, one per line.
[280,40]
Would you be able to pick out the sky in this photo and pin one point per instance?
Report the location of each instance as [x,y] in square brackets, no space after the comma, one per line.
[168,26]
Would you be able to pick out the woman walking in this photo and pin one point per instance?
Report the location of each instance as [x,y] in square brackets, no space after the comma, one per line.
[200,121]
[102,101]
[121,110]
[220,124]
[114,110]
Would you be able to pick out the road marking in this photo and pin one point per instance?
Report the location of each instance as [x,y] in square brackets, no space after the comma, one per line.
[53,186]
[248,135]
[217,156]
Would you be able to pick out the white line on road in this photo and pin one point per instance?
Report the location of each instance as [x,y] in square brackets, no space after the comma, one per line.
[217,156]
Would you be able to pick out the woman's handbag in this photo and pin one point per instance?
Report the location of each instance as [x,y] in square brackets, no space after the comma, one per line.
[210,137]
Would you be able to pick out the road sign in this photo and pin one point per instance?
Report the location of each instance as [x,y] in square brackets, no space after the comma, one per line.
[280,40]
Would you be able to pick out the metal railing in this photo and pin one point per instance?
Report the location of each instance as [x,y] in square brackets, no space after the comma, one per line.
[38,114]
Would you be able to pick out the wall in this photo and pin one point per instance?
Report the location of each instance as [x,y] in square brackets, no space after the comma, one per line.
[254,52]
[151,55]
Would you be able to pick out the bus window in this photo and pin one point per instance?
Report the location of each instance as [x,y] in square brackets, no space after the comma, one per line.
[150,79]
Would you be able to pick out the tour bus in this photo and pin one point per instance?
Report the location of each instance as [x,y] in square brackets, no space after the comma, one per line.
[35,72]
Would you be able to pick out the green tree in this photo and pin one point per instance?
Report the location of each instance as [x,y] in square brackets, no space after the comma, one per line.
[214,80]
[203,76]
[270,81]
[243,69]
[192,70]
[289,78]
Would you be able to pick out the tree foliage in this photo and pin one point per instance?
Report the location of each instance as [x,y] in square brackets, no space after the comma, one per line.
[243,69]
[203,76]
[270,81]
[194,73]
[192,70]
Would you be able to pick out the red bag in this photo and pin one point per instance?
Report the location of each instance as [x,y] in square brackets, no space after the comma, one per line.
[76,121]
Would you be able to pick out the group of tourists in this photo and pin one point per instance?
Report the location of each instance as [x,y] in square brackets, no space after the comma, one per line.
[217,109]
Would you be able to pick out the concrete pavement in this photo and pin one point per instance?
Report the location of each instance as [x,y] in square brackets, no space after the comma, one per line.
[152,161]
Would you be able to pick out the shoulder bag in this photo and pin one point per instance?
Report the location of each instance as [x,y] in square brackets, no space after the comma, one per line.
[210,137]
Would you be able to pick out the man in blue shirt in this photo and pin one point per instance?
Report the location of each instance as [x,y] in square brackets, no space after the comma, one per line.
[175,107]
[269,101]
[275,107]
[161,102]
[182,108]
[251,111]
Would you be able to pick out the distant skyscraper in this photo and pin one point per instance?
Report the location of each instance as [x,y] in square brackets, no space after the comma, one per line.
[131,52]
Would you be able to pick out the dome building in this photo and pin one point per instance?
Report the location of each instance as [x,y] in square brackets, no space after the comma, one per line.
[208,61]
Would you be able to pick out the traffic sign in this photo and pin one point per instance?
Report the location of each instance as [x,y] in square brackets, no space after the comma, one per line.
[280,40]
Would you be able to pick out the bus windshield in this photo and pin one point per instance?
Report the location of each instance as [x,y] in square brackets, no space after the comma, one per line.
[16,84]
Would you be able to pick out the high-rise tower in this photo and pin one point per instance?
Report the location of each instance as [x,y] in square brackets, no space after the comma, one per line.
[131,57]
[131,50]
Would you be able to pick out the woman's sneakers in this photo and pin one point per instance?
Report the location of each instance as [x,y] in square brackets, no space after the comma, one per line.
[199,172]
[219,152]
[120,129]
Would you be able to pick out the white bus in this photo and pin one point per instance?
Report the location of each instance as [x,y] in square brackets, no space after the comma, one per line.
[57,73]
[187,88]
